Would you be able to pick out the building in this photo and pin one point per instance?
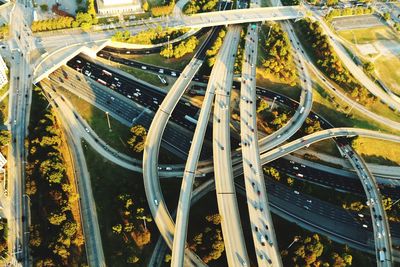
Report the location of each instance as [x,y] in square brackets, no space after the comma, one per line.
[3,73]
[116,7]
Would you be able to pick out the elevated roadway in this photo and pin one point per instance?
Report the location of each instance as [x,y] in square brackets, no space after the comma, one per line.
[235,247]
[154,195]
[189,173]
[264,239]
[380,225]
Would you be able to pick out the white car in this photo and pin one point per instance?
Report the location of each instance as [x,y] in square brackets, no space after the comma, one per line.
[296,192]
[87,130]
[173,73]
[156,202]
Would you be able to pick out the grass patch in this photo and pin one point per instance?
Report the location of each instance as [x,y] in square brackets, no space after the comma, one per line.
[110,181]
[369,35]
[106,189]
[327,146]
[335,112]
[143,75]
[271,84]
[387,66]
[372,151]
[97,120]
[388,70]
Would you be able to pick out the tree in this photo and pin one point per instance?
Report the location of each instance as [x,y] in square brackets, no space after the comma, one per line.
[136,142]
[140,215]
[57,218]
[117,229]
[4,137]
[69,229]
[167,258]
[44,7]
[133,258]
[332,2]
[386,16]
[262,105]
[369,67]
[145,6]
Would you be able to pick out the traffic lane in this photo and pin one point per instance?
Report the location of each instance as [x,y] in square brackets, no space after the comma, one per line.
[173,136]
[135,91]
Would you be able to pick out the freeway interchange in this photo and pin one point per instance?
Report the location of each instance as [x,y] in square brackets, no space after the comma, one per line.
[196,134]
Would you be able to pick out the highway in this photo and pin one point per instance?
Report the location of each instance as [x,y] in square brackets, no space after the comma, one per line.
[19,106]
[322,135]
[125,109]
[154,195]
[209,19]
[91,230]
[383,244]
[235,246]
[189,174]
[263,232]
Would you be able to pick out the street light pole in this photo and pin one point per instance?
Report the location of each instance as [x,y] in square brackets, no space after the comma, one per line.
[273,102]
[168,46]
[296,238]
[108,121]
[352,106]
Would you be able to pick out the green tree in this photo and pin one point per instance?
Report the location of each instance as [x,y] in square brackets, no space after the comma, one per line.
[57,218]
[69,229]
[369,67]
[386,16]
[136,142]
[44,7]
[4,137]
[117,229]
[145,6]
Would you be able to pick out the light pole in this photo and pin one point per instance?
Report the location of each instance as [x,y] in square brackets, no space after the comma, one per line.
[270,27]
[296,238]
[108,121]
[273,102]
[352,106]
[168,46]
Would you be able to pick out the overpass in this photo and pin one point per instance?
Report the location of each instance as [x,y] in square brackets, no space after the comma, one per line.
[94,42]
[50,62]
[262,228]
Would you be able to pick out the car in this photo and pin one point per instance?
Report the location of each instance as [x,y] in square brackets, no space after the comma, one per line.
[161,71]
[258,192]
[168,168]
[365,226]
[306,207]
[173,73]
[279,136]
[361,215]
[300,175]
[87,130]
[309,200]
[296,192]
[156,202]
[291,162]
[112,98]
[295,167]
